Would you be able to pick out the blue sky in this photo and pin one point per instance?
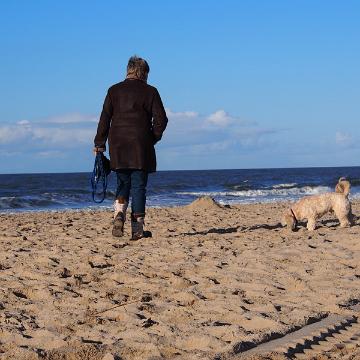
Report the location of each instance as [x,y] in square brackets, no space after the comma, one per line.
[246,84]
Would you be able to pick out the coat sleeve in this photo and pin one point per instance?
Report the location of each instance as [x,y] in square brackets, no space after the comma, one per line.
[159,119]
[104,123]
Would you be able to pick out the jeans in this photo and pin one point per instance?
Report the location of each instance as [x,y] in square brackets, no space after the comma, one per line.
[133,182]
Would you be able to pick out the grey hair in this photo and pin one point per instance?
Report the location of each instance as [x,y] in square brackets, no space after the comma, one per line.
[137,68]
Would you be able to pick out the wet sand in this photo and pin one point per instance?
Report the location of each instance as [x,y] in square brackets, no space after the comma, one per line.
[210,279]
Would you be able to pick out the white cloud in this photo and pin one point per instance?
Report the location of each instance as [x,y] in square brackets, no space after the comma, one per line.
[181,115]
[66,137]
[14,133]
[68,131]
[23,122]
[220,118]
[189,135]
[40,135]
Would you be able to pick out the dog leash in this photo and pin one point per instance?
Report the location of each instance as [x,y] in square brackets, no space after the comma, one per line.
[292,212]
[99,177]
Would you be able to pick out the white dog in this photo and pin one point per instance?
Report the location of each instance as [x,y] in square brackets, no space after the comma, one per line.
[314,207]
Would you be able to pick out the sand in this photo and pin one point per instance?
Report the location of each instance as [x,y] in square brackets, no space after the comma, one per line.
[209,280]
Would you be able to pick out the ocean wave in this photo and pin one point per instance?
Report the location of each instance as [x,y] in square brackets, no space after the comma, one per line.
[285,186]
[240,187]
[15,202]
[244,185]
[290,185]
[251,201]
[260,193]
[355,196]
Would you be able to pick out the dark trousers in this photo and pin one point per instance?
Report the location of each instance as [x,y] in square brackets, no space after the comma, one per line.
[132,182]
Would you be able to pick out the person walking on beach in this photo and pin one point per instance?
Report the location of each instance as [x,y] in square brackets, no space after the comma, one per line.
[133,120]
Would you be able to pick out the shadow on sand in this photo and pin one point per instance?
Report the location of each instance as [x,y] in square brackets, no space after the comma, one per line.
[215,231]
[331,223]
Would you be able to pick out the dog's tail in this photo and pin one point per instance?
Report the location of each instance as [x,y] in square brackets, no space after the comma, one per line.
[343,186]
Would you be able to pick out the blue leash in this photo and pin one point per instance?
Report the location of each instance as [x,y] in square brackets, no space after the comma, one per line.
[99,178]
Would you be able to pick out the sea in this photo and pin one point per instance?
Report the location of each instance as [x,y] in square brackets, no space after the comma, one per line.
[44,192]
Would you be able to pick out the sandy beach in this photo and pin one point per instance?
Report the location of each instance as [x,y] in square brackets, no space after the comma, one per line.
[210,279]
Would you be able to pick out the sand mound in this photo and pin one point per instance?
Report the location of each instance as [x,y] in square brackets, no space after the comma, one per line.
[204,203]
[84,352]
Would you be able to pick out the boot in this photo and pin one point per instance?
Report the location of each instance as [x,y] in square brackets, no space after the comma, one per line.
[137,228]
[120,206]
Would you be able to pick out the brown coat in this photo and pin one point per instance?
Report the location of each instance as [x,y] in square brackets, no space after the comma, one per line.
[133,119]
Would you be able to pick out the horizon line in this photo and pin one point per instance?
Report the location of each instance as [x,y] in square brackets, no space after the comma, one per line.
[178,170]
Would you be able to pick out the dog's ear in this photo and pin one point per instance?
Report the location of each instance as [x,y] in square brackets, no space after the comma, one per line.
[343,186]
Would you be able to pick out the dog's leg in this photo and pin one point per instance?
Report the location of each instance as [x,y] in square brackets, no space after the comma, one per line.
[344,215]
[350,217]
[311,224]
[345,222]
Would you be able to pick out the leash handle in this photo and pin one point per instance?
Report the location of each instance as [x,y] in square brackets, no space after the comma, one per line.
[98,179]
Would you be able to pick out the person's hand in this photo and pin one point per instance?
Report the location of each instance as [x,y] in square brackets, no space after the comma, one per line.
[97,150]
